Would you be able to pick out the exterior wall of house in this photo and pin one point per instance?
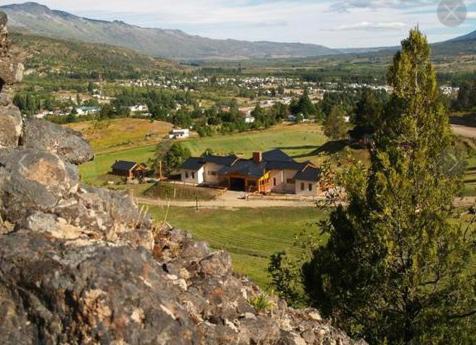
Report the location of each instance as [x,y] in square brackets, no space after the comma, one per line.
[282,181]
[306,188]
[211,174]
[192,176]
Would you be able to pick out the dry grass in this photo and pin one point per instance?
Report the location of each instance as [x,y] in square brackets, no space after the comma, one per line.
[119,134]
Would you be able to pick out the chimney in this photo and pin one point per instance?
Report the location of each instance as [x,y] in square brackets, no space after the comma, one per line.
[258,157]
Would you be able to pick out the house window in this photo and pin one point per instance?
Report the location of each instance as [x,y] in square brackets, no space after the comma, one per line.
[289,181]
[310,187]
[274,181]
[302,186]
[193,175]
[186,174]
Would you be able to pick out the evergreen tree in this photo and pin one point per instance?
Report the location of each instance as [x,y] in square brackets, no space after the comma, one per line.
[368,112]
[396,270]
[335,126]
[466,99]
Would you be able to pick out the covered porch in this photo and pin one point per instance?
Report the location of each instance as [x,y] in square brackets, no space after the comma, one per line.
[236,182]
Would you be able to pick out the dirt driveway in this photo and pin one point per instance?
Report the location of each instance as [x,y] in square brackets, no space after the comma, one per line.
[234,200]
[464,131]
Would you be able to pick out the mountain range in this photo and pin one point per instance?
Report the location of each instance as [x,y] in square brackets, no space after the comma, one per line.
[37,19]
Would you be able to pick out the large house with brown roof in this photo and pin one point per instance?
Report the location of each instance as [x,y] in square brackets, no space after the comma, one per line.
[272,171]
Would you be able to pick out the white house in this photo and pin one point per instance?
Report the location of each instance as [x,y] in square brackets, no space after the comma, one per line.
[193,171]
[138,108]
[307,181]
[179,134]
[272,171]
[82,111]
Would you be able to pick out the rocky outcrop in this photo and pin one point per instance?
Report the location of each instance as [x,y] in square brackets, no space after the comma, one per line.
[64,142]
[81,265]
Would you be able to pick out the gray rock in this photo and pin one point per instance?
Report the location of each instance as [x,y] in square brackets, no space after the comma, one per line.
[10,126]
[34,180]
[113,295]
[64,142]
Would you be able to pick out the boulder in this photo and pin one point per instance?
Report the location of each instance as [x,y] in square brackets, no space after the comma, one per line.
[10,126]
[50,137]
[34,180]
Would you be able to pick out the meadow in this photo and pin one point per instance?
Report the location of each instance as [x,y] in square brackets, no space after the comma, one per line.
[251,236]
[114,135]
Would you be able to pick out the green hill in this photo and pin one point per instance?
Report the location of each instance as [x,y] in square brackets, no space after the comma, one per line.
[76,59]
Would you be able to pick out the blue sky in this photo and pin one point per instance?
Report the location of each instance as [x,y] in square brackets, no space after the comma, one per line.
[337,23]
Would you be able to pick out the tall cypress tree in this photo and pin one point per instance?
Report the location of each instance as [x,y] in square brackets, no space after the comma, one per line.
[396,269]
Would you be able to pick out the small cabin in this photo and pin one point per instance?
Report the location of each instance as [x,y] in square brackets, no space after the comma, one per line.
[129,169]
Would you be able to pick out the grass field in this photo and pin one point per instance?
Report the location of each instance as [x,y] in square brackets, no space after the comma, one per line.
[297,140]
[250,235]
[120,134]
[470,178]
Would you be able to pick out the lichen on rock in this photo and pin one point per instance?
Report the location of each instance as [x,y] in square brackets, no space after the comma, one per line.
[83,265]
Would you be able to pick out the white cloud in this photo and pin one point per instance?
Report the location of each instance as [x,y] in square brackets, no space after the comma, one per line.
[346,5]
[366,26]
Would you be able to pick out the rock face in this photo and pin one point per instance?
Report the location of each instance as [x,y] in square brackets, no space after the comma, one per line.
[64,142]
[81,265]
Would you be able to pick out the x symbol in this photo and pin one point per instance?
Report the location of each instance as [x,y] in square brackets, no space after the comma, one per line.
[452,12]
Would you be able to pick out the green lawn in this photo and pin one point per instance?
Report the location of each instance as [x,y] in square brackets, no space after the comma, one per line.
[297,140]
[470,178]
[250,235]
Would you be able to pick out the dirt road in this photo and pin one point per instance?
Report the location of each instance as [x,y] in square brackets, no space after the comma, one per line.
[464,131]
[232,200]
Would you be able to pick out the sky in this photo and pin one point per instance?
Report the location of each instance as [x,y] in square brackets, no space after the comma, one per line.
[333,23]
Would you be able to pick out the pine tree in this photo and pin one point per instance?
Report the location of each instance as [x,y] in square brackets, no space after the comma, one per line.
[396,268]
[335,126]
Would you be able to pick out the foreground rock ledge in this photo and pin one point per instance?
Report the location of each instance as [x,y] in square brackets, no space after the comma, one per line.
[81,265]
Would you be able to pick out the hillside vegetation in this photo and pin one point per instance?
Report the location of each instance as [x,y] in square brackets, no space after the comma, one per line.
[77,59]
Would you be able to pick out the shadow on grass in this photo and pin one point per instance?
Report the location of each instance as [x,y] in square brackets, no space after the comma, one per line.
[464,120]
[329,148]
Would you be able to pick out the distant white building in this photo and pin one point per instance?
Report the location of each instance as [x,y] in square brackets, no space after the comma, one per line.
[43,114]
[139,108]
[82,111]
[250,119]
[179,133]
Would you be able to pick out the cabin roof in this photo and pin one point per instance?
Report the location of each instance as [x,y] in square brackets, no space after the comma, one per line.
[123,165]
